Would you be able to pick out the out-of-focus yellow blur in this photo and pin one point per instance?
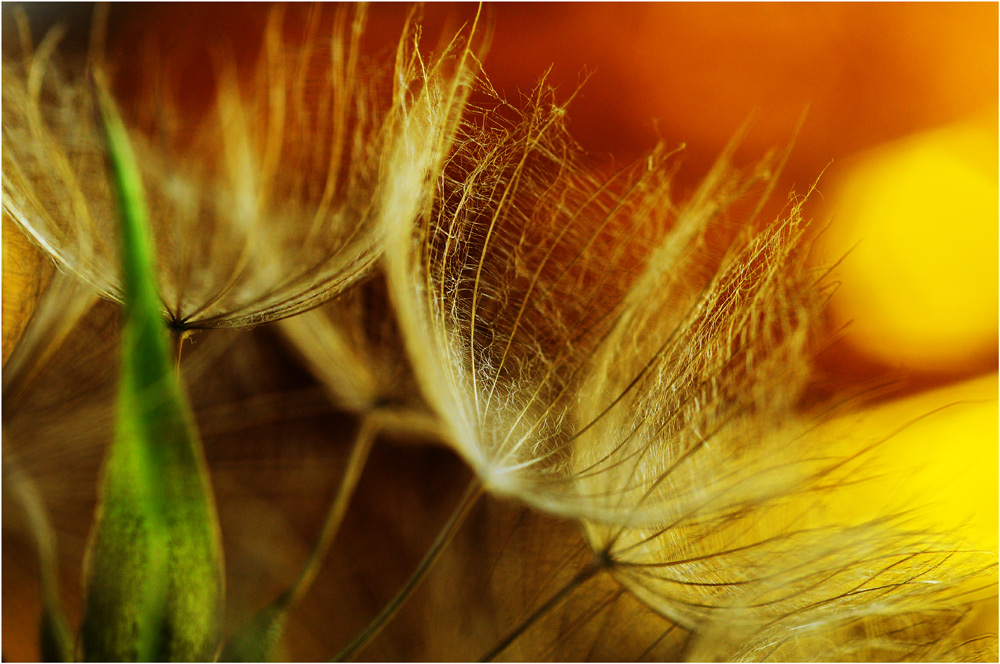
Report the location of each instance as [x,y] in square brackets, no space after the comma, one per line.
[938,464]
[938,459]
[919,291]
[919,218]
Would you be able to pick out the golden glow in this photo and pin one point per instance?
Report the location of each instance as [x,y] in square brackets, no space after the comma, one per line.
[919,286]
[940,468]
[942,463]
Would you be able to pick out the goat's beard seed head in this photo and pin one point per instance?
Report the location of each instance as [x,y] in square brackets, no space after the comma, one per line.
[695,427]
[593,355]
[263,205]
[535,292]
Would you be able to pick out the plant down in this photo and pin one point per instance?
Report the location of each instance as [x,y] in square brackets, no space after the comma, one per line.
[263,205]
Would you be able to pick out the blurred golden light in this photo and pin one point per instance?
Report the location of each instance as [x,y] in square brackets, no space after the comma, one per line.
[933,461]
[919,220]
[938,464]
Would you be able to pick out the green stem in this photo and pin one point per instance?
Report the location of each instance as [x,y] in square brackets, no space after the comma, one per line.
[335,516]
[257,639]
[447,534]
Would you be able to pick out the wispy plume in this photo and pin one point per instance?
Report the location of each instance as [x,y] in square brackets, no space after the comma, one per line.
[693,419]
[496,287]
[603,350]
[264,205]
[542,301]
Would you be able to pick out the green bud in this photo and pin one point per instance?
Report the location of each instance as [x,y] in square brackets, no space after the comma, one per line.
[154,574]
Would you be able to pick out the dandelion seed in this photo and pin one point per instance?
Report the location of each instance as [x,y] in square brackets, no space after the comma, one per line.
[691,420]
[499,291]
[651,393]
[264,207]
